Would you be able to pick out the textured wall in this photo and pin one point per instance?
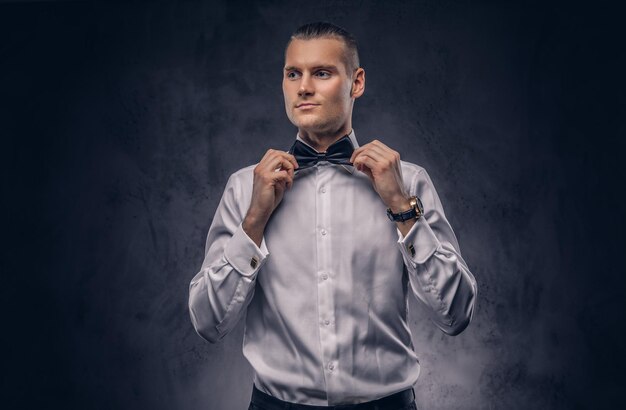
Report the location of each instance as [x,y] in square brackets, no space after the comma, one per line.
[122,122]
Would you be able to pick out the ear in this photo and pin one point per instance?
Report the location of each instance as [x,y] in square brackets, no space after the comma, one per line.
[358,83]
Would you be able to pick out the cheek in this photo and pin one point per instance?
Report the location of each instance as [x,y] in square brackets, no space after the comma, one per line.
[341,102]
[289,100]
[335,95]
[285,92]
[287,89]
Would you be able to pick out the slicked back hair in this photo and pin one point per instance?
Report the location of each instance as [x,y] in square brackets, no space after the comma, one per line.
[322,29]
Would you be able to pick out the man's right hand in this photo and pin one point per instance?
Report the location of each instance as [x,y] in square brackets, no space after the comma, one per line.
[272,175]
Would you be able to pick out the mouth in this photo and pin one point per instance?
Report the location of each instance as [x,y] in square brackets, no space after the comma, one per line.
[305,106]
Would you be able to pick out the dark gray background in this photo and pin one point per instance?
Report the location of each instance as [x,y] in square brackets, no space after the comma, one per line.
[121,123]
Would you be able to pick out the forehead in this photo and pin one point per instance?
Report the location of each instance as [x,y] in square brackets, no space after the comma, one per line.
[315,52]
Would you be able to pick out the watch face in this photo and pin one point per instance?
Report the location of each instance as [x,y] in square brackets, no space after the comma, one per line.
[420,207]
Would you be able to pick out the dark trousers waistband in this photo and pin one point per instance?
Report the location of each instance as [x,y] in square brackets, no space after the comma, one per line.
[393,402]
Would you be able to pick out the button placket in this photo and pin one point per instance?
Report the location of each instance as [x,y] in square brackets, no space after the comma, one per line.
[328,338]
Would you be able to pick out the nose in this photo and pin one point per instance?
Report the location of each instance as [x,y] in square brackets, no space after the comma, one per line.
[306,86]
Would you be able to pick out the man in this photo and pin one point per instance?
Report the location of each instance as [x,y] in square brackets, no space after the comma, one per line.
[322,245]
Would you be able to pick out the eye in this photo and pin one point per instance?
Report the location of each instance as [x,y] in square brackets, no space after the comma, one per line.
[323,74]
[291,75]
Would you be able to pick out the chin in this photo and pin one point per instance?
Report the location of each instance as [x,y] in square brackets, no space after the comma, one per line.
[307,125]
[311,124]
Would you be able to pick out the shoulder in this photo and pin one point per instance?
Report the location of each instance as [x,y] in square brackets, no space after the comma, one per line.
[242,176]
[243,173]
[238,189]
[239,183]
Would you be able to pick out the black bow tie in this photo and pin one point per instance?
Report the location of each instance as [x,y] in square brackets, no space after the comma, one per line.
[338,153]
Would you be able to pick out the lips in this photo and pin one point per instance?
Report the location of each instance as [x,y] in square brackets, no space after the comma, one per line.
[306,105]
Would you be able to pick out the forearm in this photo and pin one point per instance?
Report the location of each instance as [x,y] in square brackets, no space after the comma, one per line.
[450,289]
[405,227]
[223,288]
[402,204]
[440,278]
[254,226]
[225,283]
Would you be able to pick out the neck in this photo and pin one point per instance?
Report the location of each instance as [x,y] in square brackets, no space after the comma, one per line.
[322,140]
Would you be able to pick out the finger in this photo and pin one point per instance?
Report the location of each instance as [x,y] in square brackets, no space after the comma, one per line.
[287,183]
[365,169]
[276,162]
[387,157]
[383,149]
[375,145]
[358,151]
[392,154]
[288,160]
[287,156]
[281,185]
[380,144]
[379,153]
[285,165]
[371,159]
[291,165]
[292,159]
[365,163]
[282,177]
[265,163]
[267,154]
[385,160]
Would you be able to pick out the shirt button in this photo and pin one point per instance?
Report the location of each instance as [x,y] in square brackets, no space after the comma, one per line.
[323,189]
[331,367]
[327,322]
[324,232]
[324,276]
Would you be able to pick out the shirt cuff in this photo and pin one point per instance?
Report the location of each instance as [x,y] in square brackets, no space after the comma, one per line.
[419,244]
[243,254]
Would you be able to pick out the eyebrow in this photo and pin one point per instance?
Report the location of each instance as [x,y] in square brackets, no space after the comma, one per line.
[317,67]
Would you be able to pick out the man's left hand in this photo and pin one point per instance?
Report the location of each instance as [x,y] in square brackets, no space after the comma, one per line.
[382,165]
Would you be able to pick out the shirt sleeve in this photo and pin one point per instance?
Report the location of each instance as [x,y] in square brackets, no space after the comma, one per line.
[224,286]
[437,272]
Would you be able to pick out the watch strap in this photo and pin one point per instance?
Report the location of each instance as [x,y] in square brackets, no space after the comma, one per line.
[415,212]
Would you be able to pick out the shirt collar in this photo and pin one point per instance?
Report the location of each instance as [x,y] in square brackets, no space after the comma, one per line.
[353,139]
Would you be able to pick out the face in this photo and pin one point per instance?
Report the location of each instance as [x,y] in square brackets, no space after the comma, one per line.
[319,93]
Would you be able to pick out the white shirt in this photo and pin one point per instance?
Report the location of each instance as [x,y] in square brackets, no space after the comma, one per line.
[326,294]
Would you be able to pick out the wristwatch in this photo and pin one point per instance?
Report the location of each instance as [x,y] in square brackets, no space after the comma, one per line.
[416,211]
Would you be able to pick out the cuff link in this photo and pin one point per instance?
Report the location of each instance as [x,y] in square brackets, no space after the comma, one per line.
[254,262]
[411,249]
